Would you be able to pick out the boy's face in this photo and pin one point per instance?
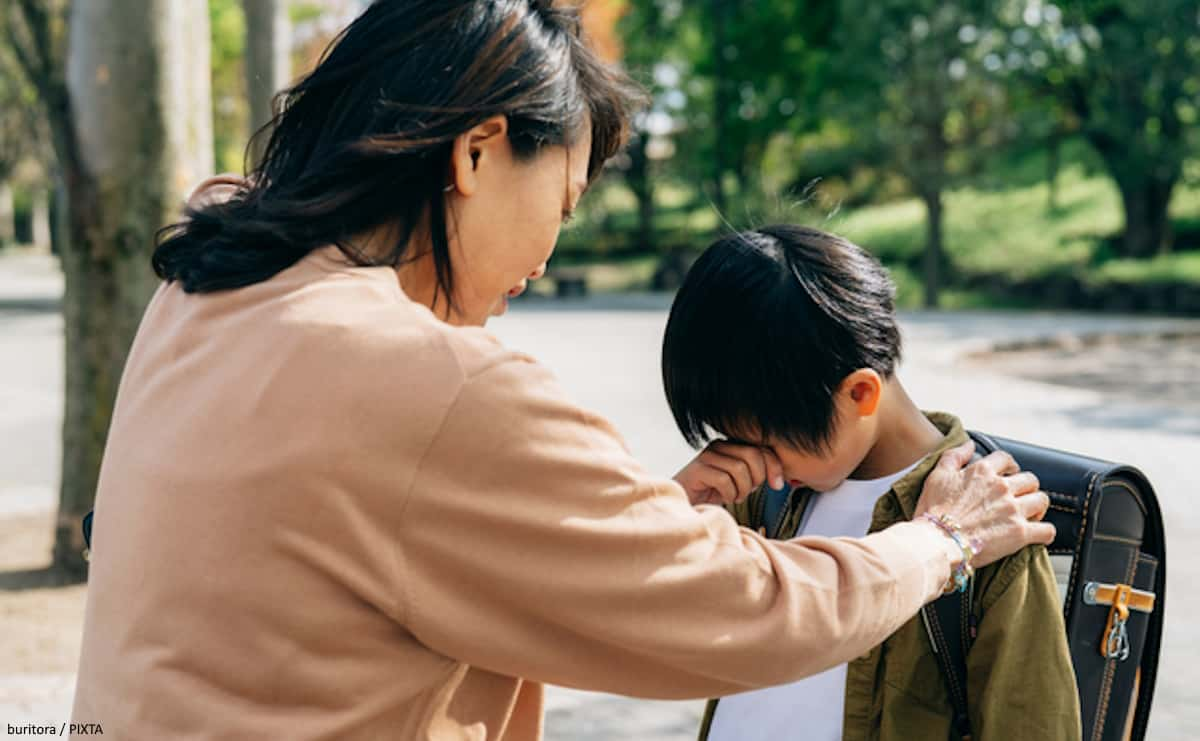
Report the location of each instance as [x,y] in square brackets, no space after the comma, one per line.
[855,431]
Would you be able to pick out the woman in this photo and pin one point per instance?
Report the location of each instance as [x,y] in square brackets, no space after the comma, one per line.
[333,507]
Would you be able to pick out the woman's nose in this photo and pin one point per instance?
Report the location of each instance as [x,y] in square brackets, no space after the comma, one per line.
[539,272]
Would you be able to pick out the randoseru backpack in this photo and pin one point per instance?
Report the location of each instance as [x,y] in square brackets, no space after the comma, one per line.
[1109,561]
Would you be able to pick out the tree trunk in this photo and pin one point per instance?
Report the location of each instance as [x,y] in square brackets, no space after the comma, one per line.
[140,136]
[8,230]
[268,62]
[638,177]
[1053,165]
[1147,223]
[40,217]
[934,259]
[1145,183]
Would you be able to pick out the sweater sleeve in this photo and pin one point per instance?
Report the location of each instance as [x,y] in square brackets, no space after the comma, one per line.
[533,545]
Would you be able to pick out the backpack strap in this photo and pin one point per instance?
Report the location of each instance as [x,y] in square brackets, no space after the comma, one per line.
[950,625]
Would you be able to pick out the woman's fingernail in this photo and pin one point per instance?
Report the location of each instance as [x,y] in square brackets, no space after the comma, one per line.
[777,483]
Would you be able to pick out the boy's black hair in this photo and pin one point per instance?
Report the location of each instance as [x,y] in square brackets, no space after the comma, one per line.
[767,325]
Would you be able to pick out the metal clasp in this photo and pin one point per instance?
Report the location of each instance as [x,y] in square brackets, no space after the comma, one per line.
[1117,645]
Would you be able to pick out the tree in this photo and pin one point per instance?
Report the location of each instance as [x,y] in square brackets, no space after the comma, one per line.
[647,39]
[227,23]
[754,68]
[909,81]
[129,108]
[1127,70]
[268,61]
[21,133]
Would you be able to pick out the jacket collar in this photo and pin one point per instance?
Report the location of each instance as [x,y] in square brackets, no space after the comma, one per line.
[900,502]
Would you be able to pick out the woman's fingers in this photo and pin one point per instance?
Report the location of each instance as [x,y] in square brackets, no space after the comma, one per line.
[1033,506]
[1022,483]
[1000,462]
[1042,533]
[953,460]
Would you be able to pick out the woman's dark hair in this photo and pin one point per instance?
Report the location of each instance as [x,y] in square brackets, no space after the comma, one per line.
[365,139]
[767,325]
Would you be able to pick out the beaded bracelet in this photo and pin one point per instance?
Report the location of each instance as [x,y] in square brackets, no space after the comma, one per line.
[960,578]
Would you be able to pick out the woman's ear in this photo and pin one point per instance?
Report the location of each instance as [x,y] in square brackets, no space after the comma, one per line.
[865,390]
[479,147]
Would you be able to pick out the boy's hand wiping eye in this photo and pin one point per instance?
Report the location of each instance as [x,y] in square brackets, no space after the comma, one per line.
[726,472]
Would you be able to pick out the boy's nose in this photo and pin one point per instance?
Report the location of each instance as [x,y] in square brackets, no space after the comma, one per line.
[538,272]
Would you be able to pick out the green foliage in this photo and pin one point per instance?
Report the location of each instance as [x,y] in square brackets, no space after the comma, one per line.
[1184,267]
[1046,129]
[756,70]
[24,136]
[1125,74]
[305,12]
[1043,137]
[230,110]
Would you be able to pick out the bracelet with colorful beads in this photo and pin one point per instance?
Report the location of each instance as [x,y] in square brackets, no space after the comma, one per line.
[960,578]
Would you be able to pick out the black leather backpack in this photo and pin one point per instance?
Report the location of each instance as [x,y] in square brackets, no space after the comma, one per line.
[1110,564]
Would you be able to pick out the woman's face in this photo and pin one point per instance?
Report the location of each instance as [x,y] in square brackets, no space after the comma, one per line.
[504,215]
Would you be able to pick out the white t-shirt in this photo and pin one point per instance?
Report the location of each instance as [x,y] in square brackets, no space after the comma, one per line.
[810,709]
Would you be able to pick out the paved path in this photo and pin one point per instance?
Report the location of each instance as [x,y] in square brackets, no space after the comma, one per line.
[605,352]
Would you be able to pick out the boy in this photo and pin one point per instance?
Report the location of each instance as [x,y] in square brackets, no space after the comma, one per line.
[786,337]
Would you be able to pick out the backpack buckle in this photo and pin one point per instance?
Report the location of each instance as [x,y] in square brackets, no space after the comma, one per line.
[1116,643]
[1122,598]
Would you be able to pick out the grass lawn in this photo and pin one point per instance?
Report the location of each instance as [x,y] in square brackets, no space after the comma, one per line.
[1013,231]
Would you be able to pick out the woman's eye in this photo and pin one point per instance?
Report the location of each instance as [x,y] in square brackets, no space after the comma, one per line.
[568,217]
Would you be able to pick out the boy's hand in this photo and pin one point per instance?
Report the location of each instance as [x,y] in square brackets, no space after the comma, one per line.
[726,472]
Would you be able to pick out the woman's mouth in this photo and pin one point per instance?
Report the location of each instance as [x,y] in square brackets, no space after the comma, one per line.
[502,305]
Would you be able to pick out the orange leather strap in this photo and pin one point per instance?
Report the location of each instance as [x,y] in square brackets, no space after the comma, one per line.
[1135,599]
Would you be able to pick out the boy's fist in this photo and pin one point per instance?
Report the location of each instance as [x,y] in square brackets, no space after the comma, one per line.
[726,472]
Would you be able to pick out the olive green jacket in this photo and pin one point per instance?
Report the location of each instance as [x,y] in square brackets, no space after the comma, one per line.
[1020,682]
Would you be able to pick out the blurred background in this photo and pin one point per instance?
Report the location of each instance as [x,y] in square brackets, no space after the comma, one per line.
[1029,169]
[991,152]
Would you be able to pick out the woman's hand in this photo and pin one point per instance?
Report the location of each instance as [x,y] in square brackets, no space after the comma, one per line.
[991,500]
[726,472]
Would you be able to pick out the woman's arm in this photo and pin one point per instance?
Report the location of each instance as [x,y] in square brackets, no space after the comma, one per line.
[534,545]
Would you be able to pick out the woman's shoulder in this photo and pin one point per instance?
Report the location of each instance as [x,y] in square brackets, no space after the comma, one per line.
[351,329]
[362,311]
[426,351]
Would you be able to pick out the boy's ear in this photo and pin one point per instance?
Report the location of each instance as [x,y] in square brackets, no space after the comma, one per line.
[865,389]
